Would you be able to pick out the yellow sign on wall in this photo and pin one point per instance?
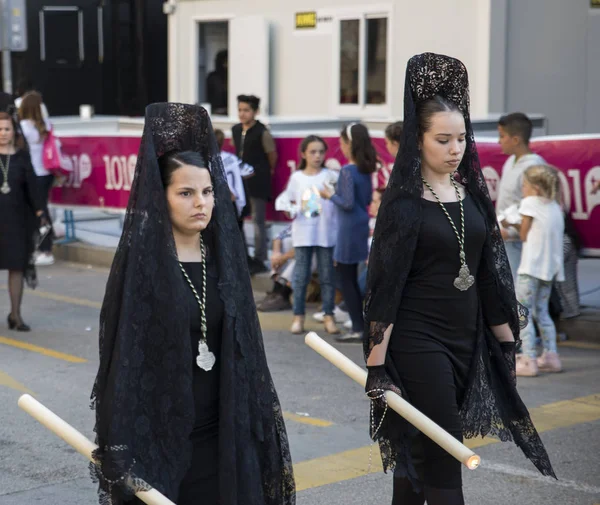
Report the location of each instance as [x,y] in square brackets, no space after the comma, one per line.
[595,3]
[306,20]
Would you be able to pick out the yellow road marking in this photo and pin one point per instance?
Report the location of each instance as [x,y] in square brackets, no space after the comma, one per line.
[9,382]
[355,462]
[66,299]
[41,350]
[313,421]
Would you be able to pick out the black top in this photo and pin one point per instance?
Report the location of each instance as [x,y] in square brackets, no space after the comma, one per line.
[206,383]
[249,148]
[17,211]
[434,316]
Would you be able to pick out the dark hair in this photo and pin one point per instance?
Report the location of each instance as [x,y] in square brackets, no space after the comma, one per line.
[304,145]
[393,132]
[18,139]
[426,110]
[24,85]
[251,100]
[361,147]
[220,136]
[517,124]
[221,59]
[172,161]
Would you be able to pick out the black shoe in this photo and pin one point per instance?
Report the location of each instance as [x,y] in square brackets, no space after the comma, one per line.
[274,303]
[12,324]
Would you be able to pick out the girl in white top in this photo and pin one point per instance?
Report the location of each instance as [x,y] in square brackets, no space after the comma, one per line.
[314,229]
[35,127]
[541,230]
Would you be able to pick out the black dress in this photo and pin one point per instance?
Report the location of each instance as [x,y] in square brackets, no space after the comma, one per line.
[435,335]
[17,212]
[201,483]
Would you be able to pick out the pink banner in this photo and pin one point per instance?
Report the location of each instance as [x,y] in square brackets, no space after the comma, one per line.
[103,169]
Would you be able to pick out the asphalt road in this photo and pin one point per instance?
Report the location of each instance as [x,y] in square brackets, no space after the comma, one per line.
[326,412]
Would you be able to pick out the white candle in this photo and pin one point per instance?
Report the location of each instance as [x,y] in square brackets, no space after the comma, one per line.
[425,425]
[80,443]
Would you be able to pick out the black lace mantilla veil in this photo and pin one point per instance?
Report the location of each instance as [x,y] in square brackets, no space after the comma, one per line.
[143,392]
[491,405]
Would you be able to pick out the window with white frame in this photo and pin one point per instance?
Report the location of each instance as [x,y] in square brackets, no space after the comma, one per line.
[363,60]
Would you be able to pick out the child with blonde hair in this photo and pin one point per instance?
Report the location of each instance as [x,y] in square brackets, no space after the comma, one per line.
[541,230]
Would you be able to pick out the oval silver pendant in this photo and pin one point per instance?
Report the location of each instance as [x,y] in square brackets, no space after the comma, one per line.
[205,359]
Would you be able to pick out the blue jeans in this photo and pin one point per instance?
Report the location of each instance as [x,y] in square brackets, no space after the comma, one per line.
[302,273]
[534,294]
[513,251]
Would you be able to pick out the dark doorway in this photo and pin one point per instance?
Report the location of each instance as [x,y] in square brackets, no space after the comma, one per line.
[111,54]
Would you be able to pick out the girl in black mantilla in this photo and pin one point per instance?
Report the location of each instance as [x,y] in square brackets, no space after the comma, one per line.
[20,203]
[441,313]
[184,399]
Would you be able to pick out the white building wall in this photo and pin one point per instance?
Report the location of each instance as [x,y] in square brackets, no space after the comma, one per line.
[304,67]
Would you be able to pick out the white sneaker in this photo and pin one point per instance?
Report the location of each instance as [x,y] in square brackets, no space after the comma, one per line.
[338,314]
[44,259]
[348,324]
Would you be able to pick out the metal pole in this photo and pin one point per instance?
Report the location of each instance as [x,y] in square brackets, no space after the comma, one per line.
[6,63]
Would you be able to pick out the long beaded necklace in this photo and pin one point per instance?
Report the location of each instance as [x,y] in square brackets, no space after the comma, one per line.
[5,188]
[205,359]
[464,280]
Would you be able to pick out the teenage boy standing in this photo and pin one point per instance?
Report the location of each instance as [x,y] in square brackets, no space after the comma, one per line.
[514,131]
[255,146]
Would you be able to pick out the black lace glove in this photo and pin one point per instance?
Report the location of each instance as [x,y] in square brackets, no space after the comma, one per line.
[509,354]
[378,382]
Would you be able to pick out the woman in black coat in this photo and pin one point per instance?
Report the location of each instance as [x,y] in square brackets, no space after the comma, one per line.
[19,206]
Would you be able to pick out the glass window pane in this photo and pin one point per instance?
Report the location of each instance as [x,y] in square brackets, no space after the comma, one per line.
[376,54]
[61,37]
[349,67]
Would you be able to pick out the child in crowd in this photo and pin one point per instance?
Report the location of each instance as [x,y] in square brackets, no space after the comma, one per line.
[541,231]
[514,131]
[235,171]
[393,138]
[282,273]
[314,230]
[352,198]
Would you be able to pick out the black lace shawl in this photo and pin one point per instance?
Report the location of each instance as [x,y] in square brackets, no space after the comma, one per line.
[143,391]
[491,405]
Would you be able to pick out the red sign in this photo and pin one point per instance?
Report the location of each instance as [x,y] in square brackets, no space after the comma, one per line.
[103,169]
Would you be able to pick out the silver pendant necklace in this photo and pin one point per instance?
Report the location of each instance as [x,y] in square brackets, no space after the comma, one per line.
[5,188]
[205,359]
[464,280]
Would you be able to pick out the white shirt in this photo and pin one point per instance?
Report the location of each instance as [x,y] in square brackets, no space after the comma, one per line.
[233,167]
[542,255]
[36,145]
[302,192]
[510,191]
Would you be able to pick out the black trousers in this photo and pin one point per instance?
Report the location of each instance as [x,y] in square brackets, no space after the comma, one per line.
[431,388]
[45,185]
[201,483]
[348,279]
